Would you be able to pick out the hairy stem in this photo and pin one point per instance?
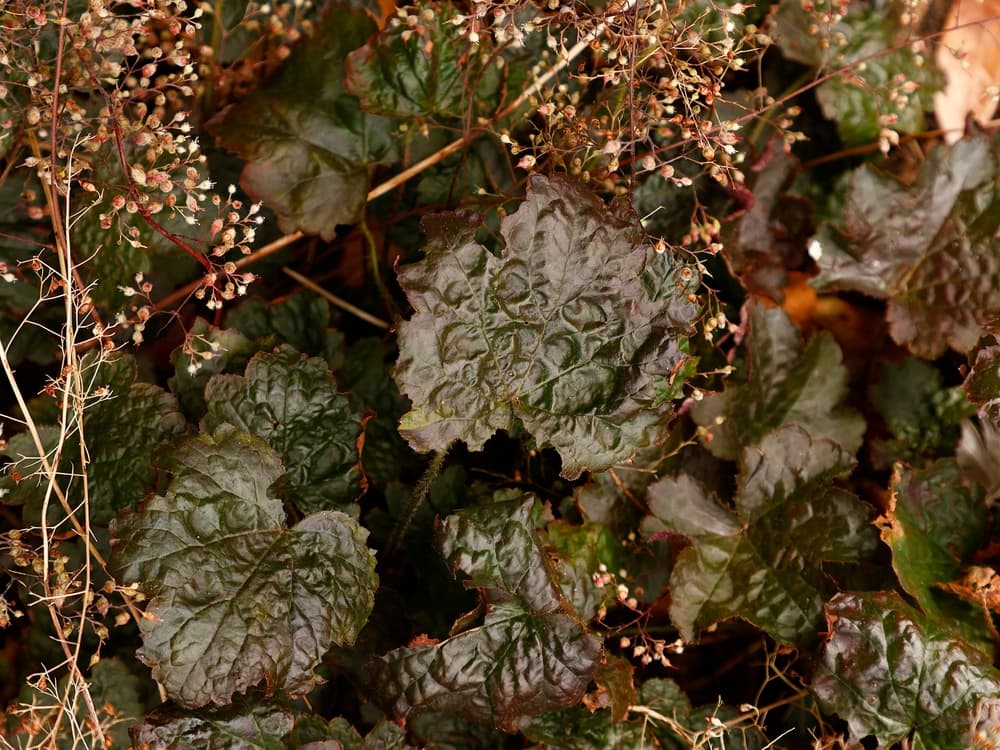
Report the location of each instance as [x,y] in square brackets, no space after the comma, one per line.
[420,493]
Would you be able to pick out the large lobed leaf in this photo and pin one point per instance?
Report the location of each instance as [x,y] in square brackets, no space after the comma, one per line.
[930,247]
[890,673]
[308,144]
[531,654]
[568,330]
[761,560]
[786,383]
[291,402]
[237,597]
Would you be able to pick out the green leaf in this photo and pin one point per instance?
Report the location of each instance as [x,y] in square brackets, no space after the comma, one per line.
[869,95]
[761,560]
[122,432]
[530,655]
[921,414]
[933,523]
[425,68]
[928,247]
[238,727]
[786,383]
[582,550]
[889,672]
[302,321]
[661,717]
[581,729]
[435,731]
[237,597]
[568,330]
[292,403]
[308,144]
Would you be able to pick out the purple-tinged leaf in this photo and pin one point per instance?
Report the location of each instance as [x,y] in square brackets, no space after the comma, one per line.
[531,654]
[239,727]
[929,248]
[237,597]
[760,560]
[569,330]
[890,673]
[786,383]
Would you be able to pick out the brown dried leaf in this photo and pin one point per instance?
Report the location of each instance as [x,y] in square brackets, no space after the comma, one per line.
[969,55]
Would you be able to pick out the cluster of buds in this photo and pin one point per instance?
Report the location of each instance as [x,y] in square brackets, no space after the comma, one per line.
[647,649]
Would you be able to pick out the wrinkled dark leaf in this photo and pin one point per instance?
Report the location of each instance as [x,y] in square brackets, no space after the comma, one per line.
[568,331]
[424,69]
[929,247]
[237,597]
[786,383]
[238,727]
[308,144]
[291,402]
[761,560]
[888,672]
[531,654]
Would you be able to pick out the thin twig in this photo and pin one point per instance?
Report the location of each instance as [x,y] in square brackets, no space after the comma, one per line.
[270,248]
[335,300]
[426,163]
